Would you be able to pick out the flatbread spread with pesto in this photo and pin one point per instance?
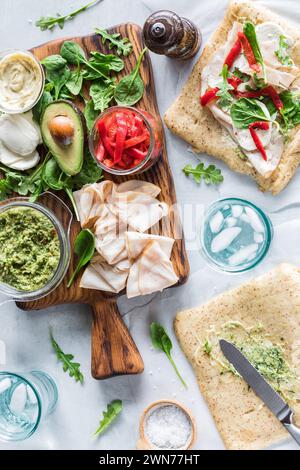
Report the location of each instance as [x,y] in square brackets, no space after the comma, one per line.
[241,103]
[262,319]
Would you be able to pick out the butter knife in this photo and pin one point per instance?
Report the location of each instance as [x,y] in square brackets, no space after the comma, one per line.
[266,393]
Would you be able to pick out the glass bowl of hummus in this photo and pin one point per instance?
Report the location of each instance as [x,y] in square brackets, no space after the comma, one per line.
[35,246]
[22,81]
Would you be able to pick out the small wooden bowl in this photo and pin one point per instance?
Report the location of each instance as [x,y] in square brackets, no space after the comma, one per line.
[144,444]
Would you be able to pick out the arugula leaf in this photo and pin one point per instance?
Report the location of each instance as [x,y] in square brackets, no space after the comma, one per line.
[101,95]
[224,88]
[94,68]
[250,33]
[162,341]
[245,111]
[130,88]
[210,174]
[124,47]
[282,54]
[243,76]
[49,22]
[5,189]
[90,114]
[53,62]
[67,359]
[114,408]
[84,248]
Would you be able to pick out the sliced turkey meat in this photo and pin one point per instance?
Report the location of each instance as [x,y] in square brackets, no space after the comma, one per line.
[136,243]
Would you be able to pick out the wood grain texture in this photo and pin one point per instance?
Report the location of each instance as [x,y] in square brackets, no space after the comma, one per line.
[125,359]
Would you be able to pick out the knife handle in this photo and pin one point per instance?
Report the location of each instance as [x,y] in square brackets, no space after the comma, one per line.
[291,427]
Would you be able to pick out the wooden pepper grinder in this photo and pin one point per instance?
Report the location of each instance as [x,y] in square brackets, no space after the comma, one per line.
[167,33]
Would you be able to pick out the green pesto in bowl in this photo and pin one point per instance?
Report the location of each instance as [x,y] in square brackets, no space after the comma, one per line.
[30,248]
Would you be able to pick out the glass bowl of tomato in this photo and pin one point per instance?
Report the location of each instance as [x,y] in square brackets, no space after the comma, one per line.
[125,140]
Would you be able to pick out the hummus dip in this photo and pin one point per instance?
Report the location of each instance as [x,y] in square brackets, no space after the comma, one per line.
[21,81]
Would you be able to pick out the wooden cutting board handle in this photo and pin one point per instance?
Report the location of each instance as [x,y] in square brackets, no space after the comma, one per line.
[113,349]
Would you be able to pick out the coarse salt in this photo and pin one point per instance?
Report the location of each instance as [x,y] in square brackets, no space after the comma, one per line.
[168,427]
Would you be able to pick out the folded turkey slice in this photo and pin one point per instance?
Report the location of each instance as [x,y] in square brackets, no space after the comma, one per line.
[136,243]
[137,210]
[89,200]
[138,186]
[101,276]
[151,272]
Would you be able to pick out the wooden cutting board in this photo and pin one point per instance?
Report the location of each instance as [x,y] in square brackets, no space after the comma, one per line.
[113,350]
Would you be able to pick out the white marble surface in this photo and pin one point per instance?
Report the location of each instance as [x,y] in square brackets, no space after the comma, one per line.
[26,333]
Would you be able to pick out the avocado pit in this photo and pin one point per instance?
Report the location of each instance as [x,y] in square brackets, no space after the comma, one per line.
[62,129]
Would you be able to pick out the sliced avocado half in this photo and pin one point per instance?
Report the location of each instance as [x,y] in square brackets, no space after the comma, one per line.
[63,132]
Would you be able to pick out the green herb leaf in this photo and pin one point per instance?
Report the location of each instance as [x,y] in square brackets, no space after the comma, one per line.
[210,174]
[73,53]
[124,47]
[130,88]
[224,88]
[249,31]
[84,248]
[243,76]
[113,410]
[90,114]
[90,173]
[161,341]
[291,108]
[74,82]
[282,54]
[107,60]
[245,111]
[101,95]
[53,62]
[49,22]
[58,78]
[67,360]
[39,108]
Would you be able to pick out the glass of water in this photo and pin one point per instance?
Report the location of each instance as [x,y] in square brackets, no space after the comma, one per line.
[25,400]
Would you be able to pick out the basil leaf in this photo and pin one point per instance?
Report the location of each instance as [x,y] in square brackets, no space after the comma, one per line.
[90,114]
[113,410]
[130,88]
[245,111]
[54,62]
[73,53]
[101,95]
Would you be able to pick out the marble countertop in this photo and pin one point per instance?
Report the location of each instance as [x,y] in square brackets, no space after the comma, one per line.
[25,334]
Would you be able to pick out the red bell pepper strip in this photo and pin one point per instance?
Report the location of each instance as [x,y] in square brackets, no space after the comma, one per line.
[233,53]
[136,153]
[234,82]
[120,137]
[266,91]
[264,125]
[133,141]
[208,96]
[100,151]
[253,64]
[105,140]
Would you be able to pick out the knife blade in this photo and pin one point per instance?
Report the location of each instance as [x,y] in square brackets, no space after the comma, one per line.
[266,393]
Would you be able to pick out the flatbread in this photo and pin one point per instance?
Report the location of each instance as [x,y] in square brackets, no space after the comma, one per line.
[195,124]
[273,300]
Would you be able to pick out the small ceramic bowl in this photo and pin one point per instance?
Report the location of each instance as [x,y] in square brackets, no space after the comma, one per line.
[144,444]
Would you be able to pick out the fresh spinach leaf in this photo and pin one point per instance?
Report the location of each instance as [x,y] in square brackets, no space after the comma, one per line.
[102,95]
[75,82]
[130,88]
[90,114]
[245,111]
[162,341]
[210,174]
[250,33]
[282,53]
[39,108]
[90,173]
[84,248]
[58,78]
[291,108]
[53,62]
[113,410]
[73,53]
[124,47]
[111,61]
